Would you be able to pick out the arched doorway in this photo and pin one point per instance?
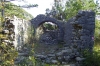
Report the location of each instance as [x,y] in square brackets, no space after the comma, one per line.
[47,33]
[48,29]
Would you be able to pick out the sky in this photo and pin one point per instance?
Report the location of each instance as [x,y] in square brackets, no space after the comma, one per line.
[42,5]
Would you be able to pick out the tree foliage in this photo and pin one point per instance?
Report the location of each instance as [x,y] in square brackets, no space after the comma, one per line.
[71,8]
[64,10]
[97,30]
[7,52]
[11,10]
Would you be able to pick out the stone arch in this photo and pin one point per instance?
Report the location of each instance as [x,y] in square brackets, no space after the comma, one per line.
[78,36]
[40,19]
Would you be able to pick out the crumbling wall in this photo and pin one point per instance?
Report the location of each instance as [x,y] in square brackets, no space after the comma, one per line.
[77,35]
[16,31]
[40,19]
[79,31]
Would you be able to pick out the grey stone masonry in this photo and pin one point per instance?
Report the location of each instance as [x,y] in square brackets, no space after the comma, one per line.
[40,19]
[84,24]
[77,35]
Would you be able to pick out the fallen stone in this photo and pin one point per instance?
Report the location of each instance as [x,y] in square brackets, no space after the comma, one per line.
[23,54]
[51,55]
[72,65]
[54,61]
[79,59]
[59,54]
[67,58]
[5,31]
[67,51]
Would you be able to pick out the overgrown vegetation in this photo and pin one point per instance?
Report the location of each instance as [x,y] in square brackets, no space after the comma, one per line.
[11,10]
[8,54]
[94,58]
[70,9]
[97,30]
[50,26]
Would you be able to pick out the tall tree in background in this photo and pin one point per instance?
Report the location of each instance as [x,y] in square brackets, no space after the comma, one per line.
[8,9]
[66,9]
[69,8]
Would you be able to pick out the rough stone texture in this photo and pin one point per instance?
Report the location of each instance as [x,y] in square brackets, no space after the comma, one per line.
[77,35]
[16,31]
[40,19]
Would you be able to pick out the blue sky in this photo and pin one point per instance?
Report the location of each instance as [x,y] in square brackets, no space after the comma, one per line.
[42,5]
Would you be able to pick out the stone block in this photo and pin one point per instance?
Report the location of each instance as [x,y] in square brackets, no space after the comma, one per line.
[79,59]
[5,32]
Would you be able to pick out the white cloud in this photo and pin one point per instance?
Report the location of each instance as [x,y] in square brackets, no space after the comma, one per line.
[42,5]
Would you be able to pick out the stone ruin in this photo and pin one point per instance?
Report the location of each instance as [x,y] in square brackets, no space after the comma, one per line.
[16,31]
[72,38]
[61,46]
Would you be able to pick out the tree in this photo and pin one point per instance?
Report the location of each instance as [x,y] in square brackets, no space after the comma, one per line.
[15,10]
[6,5]
[97,30]
[71,8]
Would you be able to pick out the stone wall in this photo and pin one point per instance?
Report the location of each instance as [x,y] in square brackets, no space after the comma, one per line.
[16,31]
[77,35]
[80,30]
[40,19]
